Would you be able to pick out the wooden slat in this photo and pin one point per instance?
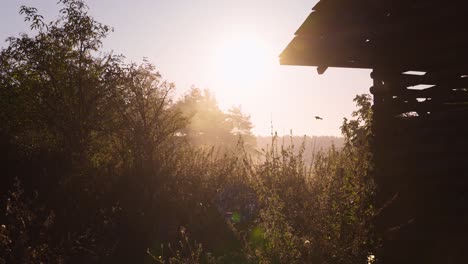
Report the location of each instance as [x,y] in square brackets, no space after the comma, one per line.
[417,35]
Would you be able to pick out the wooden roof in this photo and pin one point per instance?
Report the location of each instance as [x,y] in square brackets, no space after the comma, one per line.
[420,35]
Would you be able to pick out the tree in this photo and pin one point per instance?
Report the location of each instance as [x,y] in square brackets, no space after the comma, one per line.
[58,105]
[54,90]
[207,123]
[209,126]
[148,118]
[241,127]
[99,148]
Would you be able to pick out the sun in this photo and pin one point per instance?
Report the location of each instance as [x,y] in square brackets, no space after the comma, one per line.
[242,62]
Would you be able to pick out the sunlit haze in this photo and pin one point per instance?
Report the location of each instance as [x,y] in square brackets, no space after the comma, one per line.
[229,47]
[241,63]
[166,131]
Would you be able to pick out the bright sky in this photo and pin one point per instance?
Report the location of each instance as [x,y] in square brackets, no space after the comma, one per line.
[228,46]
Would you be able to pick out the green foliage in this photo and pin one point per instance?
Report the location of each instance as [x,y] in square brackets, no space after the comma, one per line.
[25,239]
[209,126]
[54,92]
[241,127]
[322,213]
[112,167]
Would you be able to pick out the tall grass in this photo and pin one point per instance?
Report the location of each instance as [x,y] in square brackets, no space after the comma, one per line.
[282,209]
[97,168]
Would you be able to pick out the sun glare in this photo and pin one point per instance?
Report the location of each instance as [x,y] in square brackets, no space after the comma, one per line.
[242,62]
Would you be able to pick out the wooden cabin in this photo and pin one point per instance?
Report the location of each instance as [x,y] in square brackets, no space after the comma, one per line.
[418,53]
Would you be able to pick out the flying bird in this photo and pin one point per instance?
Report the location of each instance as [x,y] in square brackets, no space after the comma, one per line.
[318,118]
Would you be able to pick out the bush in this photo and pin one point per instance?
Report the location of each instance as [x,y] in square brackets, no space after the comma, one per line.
[99,167]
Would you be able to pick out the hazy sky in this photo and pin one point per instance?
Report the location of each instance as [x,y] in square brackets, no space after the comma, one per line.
[229,47]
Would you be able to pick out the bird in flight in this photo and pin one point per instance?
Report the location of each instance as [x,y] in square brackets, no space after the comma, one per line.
[318,118]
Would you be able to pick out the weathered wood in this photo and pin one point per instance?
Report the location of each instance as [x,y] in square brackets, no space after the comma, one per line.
[423,159]
[420,144]
[412,34]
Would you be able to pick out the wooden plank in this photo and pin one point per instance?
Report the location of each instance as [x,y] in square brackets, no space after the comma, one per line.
[400,35]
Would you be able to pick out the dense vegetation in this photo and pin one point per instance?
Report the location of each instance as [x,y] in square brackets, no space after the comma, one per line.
[312,144]
[100,164]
